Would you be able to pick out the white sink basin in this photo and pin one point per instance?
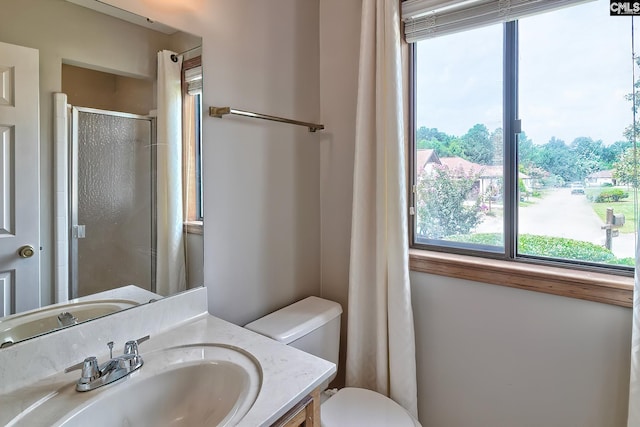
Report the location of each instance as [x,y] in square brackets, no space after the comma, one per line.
[36,322]
[194,385]
[193,395]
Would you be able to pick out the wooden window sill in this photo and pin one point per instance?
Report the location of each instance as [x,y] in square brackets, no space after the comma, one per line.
[591,286]
[193,227]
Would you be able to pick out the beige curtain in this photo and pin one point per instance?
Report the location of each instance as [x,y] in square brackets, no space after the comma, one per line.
[380,335]
[170,260]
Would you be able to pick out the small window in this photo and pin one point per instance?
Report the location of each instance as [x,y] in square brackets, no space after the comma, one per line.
[524,142]
[192,137]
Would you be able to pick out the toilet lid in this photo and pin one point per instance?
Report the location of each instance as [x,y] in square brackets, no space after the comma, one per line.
[358,407]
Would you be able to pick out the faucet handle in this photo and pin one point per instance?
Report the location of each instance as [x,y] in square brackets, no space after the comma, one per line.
[131,347]
[74,367]
[90,369]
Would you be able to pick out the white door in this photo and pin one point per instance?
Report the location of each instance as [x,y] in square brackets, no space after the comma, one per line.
[19,180]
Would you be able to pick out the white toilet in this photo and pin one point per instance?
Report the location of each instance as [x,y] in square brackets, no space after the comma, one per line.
[313,325]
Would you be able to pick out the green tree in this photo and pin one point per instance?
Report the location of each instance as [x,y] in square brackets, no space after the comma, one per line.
[433,134]
[442,149]
[443,144]
[441,210]
[477,146]
[556,157]
[497,139]
[612,153]
[453,149]
[625,170]
[634,97]
[529,154]
[426,136]
[587,155]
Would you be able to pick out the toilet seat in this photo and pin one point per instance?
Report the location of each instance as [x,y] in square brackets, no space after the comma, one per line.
[358,407]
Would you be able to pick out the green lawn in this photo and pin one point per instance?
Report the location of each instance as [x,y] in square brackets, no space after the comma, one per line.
[624,207]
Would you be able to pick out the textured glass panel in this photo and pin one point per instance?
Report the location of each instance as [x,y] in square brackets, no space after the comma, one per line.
[114,202]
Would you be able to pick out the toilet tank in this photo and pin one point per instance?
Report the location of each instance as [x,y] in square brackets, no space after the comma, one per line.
[311,325]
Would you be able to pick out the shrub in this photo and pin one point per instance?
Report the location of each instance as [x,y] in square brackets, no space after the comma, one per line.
[612,195]
[560,247]
[606,184]
[553,247]
[631,262]
[490,239]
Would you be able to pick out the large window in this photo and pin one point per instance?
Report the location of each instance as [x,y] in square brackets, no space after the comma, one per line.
[524,139]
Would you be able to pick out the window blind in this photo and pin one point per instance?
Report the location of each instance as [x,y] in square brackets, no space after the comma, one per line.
[193,80]
[425,19]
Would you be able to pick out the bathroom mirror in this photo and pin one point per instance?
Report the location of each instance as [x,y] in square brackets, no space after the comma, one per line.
[107,179]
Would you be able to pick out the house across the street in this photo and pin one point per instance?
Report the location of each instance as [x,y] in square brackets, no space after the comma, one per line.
[597,179]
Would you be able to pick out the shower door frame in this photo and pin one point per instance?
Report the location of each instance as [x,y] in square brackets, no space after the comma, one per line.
[73,113]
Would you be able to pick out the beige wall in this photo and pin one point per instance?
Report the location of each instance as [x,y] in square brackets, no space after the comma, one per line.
[339,47]
[496,356]
[107,91]
[261,179]
[195,260]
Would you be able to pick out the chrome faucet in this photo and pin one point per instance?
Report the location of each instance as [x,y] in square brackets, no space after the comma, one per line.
[94,376]
[67,319]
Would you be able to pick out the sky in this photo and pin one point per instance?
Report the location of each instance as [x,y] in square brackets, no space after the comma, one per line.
[575,68]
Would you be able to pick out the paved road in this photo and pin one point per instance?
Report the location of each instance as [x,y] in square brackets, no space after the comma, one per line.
[561,214]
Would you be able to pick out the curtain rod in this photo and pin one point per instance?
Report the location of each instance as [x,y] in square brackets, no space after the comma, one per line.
[221,111]
[174,56]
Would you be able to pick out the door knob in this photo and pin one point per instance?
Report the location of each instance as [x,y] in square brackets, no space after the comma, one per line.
[26,251]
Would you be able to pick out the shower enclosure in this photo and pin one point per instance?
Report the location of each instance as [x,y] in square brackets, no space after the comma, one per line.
[112,201]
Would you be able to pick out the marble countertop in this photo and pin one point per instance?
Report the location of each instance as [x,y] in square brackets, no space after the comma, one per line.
[288,374]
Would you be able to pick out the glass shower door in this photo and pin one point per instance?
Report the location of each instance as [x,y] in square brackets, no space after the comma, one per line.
[112,201]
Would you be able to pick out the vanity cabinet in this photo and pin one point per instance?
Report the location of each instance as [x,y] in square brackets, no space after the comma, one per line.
[305,414]
[183,336]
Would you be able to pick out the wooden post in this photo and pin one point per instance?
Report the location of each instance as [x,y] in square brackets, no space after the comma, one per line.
[608,227]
